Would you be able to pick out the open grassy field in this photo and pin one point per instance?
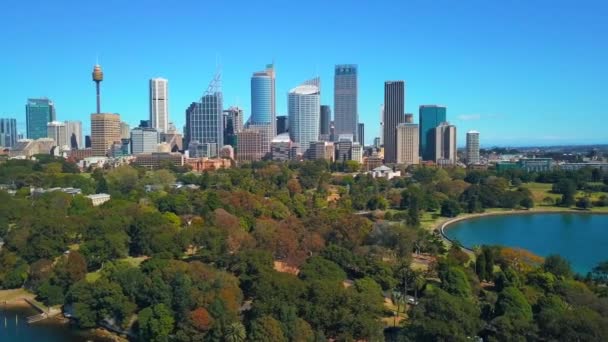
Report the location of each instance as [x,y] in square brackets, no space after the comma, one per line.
[540,191]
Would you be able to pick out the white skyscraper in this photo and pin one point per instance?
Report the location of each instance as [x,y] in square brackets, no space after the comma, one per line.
[472,147]
[304,109]
[159,104]
[408,144]
[144,140]
[445,144]
[74,132]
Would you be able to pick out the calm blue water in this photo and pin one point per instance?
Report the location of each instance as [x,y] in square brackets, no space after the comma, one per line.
[14,328]
[580,238]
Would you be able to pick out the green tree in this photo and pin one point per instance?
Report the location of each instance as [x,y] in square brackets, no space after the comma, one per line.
[266,329]
[450,208]
[235,332]
[512,302]
[319,268]
[455,282]
[440,316]
[558,266]
[155,323]
[480,266]
[584,203]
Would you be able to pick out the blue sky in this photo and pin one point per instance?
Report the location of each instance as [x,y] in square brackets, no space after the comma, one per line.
[520,72]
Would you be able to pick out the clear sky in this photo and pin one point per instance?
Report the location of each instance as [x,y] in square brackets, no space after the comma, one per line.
[519,71]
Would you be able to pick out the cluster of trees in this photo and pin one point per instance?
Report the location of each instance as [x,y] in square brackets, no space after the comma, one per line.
[212,254]
[510,295]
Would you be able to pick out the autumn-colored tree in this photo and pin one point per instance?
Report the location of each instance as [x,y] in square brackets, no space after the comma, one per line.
[237,236]
[201,319]
[294,187]
[520,259]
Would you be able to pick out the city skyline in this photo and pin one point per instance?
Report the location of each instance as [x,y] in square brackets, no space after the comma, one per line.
[498,81]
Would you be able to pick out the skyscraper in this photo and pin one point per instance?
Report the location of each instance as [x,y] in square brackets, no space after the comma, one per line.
[125,130]
[304,113]
[407,144]
[159,104]
[325,120]
[38,112]
[8,132]
[74,134]
[445,144]
[263,114]
[346,115]
[282,124]
[232,124]
[105,131]
[204,123]
[430,117]
[57,131]
[394,105]
[361,133]
[472,147]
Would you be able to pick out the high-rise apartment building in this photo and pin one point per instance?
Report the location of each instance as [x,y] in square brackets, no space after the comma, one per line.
[159,104]
[204,123]
[407,144]
[304,113]
[8,132]
[144,140]
[394,105]
[105,132]
[361,133]
[431,116]
[74,134]
[125,130]
[472,147]
[38,113]
[445,144]
[325,120]
[346,114]
[57,131]
[249,145]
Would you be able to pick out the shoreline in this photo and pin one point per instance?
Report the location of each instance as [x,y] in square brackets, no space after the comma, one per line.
[442,226]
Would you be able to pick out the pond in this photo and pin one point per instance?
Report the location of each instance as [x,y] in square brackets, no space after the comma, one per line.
[580,238]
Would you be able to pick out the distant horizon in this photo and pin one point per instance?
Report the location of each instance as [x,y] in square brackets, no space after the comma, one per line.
[521,74]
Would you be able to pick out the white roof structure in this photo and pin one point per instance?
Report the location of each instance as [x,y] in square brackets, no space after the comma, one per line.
[382,168]
[305,89]
[283,137]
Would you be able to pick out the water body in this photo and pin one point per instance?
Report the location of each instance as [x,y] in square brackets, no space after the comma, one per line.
[14,328]
[580,238]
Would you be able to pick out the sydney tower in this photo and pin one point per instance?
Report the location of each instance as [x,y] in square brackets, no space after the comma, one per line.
[97,78]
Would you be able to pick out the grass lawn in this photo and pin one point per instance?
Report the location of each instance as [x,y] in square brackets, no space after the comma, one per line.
[13,294]
[133,261]
[542,190]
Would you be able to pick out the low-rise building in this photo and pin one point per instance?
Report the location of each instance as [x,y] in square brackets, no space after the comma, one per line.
[156,160]
[98,199]
[208,164]
[385,172]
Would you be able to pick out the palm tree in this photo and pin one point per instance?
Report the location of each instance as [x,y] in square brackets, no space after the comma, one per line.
[235,332]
